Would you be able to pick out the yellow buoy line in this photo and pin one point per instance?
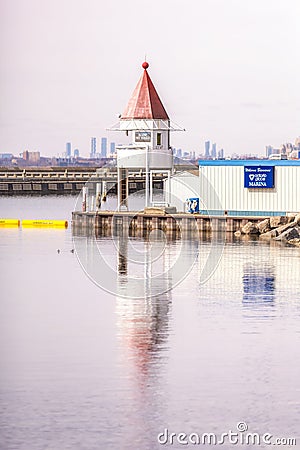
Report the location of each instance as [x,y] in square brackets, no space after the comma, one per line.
[9,222]
[34,223]
[45,223]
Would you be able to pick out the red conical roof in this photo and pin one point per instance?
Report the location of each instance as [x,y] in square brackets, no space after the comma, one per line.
[145,102]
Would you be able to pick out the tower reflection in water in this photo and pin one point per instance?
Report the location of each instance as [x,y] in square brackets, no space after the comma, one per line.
[143,331]
[143,322]
[140,271]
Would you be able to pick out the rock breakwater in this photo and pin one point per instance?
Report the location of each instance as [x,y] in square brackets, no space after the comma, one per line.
[278,228]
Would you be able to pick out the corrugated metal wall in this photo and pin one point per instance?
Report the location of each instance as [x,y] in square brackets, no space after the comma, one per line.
[222,189]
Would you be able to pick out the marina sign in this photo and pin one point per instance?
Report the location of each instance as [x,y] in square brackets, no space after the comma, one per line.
[259,177]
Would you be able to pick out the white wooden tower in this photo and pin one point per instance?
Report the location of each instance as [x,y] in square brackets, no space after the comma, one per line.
[146,119]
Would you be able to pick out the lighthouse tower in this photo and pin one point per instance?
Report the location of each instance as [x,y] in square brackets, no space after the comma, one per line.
[146,119]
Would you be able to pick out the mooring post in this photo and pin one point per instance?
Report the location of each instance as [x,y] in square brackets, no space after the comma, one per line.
[98,196]
[104,191]
[84,199]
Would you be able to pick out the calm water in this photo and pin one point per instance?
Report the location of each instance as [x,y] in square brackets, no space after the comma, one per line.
[82,368]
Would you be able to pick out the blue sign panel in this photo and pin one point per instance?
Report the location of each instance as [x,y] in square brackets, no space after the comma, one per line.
[259,177]
[193,205]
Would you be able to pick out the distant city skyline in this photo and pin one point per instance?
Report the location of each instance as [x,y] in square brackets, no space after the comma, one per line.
[63,76]
[107,149]
[67,159]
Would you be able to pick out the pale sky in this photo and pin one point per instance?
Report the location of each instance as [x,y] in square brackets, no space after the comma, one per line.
[226,70]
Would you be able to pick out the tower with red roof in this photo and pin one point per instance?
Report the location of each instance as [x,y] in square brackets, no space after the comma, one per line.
[146,119]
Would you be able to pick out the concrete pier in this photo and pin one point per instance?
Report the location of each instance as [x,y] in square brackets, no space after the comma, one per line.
[137,221]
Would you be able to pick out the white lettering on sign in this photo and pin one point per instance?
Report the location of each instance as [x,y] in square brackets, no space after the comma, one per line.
[257,184]
[262,177]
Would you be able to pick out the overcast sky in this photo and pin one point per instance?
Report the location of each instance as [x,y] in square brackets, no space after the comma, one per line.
[226,70]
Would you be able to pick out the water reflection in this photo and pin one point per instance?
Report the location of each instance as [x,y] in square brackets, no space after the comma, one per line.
[143,322]
[140,276]
[146,260]
[143,328]
[135,266]
[259,289]
[89,370]
[143,331]
[123,256]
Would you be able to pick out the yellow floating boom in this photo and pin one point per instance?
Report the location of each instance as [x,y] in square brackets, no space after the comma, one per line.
[10,222]
[45,223]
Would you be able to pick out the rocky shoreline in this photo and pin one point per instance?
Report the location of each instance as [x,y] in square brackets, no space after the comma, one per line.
[279,228]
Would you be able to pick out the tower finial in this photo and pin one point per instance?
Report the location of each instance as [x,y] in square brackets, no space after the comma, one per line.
[145,65]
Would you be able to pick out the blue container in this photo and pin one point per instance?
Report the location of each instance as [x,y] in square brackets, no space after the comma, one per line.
[193,205]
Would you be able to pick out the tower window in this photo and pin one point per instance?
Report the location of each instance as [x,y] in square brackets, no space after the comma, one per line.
[158,139]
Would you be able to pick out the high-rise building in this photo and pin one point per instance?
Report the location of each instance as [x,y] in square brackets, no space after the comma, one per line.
[221,154]
[179,152]
[68,150]
[207,147]
[112,148]
[76,153]
[269,150]
[214,151]
[93,147]
[103,147]
[33,157]
[7,155]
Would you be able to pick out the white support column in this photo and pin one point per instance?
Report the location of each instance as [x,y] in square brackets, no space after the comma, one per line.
[151,187]
[169,188]
[119,189]
[98,189]
[147,178]
[123,188]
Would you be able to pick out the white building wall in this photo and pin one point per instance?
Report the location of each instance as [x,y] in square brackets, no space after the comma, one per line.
[134,155]
[131,158]
[222,188]
[183,186]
